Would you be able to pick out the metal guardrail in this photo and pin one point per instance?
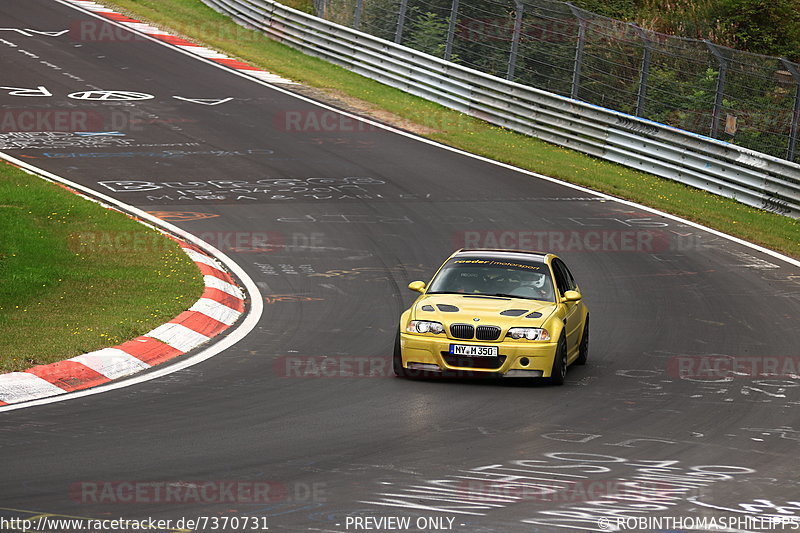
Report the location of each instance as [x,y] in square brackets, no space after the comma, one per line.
[753,178]
[747,99]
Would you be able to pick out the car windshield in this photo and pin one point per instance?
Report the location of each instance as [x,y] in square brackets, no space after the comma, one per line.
[494,277]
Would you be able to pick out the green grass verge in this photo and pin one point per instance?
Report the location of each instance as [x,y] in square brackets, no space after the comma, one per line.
[196,21]
[76,277]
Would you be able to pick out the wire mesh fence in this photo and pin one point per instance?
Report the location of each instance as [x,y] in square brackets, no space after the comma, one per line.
[743,98]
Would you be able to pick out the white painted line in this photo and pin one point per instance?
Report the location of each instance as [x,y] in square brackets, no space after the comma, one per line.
[224,286]
[269,77]
[255,309]
[215,310]
[251,75]
[178,336]
[21,386]
[140,26]
[111,362]
[197,257]
[204,101]
[204,52]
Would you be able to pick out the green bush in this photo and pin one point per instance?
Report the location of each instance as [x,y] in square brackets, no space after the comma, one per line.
[428,33]
[770,27]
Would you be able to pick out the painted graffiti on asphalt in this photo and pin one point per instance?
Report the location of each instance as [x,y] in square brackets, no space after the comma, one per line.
[716,382]
[163,154]
[28,32]
[59,140]
[324,188]
[48,140]
[103,95]
[642,485]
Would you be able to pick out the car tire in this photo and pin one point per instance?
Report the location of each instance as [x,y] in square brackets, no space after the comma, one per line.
[559,371]
[397,359]
[583,349]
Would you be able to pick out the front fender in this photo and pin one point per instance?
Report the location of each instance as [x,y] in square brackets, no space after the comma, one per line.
[404,319]
[555,326]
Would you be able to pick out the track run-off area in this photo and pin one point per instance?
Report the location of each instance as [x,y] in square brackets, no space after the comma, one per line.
[687,408]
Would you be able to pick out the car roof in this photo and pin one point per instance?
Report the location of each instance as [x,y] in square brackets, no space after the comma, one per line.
[519,255]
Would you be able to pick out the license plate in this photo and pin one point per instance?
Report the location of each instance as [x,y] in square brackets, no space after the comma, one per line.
[473,351]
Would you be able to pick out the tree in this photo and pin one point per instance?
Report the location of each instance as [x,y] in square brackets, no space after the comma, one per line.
[428,33]
[770,27]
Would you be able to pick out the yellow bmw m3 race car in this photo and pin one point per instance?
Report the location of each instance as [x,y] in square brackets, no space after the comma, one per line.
[495,312]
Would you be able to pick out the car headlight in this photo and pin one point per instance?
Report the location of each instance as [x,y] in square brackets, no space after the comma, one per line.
[531,334]
[425,326]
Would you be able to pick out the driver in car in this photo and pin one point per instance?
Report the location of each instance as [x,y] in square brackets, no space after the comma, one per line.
[533,285]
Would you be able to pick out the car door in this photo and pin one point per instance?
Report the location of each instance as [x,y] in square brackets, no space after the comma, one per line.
[571,317]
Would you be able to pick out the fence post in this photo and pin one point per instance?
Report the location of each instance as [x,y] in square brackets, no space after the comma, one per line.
[644,71]
[357,14]
[451,30]
[512,58]
[401,20]
[723,70]
[576,71]
[795,131]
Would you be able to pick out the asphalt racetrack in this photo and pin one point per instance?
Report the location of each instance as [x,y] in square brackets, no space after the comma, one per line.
[301,426]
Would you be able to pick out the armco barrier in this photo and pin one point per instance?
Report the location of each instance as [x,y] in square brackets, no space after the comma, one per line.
[753,178]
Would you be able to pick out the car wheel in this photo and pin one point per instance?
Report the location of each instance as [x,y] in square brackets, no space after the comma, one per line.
[583,349]
[397,358]
[559,371]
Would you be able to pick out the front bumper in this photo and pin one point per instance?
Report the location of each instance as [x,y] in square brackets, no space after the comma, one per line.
[424,351]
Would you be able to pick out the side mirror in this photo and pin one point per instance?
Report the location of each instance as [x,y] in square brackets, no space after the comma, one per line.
[418,286]
[572,296]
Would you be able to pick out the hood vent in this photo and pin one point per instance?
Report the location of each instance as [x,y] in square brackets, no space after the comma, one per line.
[447,308]
[514,312]
[535,314]
[428,308]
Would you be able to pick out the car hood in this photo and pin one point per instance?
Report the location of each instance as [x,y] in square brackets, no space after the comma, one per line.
[503,312]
